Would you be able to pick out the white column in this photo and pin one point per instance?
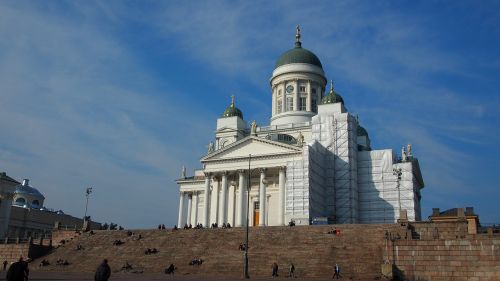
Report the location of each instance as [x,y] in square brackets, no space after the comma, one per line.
[214,210]
[5,207]
[240,221]
[262,198]
[194,218]
[309,96]
[181,209]
[296,96]
[223,200]
[207,200]
[190,206]
[231,204]
[274,104]
[281,196]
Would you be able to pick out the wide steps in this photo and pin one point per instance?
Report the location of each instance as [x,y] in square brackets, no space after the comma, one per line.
[358,250]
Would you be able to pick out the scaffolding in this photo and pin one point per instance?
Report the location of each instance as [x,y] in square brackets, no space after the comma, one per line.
[345,152]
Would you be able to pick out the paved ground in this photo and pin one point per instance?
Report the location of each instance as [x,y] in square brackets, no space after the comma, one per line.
[84,276]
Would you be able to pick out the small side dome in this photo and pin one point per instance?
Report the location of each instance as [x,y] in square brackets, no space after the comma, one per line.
[232,110]
[332,96]
[362,132]
[26,189]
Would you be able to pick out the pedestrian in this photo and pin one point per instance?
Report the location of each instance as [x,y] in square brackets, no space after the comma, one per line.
[170,269]
[336,272]
[291,271]
[18,271]
[103,271]
[275,269]
[5,262]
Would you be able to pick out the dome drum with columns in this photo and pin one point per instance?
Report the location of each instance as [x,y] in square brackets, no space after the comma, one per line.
[314,160]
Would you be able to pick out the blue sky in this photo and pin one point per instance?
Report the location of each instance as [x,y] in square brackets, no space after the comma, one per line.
[119,95]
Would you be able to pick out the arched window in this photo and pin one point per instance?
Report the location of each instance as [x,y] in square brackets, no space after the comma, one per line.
[282,138]
[280,106]
[35,203]
[289,104]
[20,200]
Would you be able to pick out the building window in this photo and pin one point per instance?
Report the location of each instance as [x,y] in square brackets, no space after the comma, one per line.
[302,104]
[289,104]
[313,91]
[280,106]
[314,105]
[302,89]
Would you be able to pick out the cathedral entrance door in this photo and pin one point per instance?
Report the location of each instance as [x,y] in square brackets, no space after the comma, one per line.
[256,207]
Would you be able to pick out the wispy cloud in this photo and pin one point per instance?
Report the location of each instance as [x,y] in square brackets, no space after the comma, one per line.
[79,111]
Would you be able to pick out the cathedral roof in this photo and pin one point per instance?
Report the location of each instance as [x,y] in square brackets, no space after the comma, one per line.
[232,110]
[3,176]
[26,189]
[332,97]
[298,55]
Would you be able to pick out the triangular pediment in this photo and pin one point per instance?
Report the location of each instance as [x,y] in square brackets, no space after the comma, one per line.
[226,129]
[251,145]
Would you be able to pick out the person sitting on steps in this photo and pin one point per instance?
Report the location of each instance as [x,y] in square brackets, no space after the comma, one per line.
[170,269]
[127,266]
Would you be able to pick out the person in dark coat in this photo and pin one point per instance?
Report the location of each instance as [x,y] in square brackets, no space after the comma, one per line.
[18,271]
[275,270]
[170,269]
[103,271]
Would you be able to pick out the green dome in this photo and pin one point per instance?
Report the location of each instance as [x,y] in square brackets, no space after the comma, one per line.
[362,132]
[232,110]
[332,97]
[298,55]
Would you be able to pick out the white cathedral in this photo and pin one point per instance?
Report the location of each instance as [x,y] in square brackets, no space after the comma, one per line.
[312,164]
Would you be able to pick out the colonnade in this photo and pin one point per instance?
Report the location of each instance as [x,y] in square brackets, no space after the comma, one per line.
[228,190]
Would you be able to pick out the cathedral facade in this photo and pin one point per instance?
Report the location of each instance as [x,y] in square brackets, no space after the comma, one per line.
[312,164]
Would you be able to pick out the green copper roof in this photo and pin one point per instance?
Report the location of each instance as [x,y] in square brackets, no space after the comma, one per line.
[232,110]
[298,55]
[362,132]
[332,97]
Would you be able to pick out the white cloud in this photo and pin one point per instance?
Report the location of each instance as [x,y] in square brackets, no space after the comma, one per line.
[75,118]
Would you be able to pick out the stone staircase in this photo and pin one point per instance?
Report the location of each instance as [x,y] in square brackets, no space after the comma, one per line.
[359,251]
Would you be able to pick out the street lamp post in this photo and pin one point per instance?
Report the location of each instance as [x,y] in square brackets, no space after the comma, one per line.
[245,269]
[88,191]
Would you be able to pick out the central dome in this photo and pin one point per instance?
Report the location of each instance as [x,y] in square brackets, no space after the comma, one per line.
[298,55]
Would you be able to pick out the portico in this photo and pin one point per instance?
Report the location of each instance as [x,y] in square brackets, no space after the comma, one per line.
[227,198]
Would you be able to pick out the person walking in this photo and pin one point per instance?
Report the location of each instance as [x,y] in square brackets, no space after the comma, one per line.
[336,272]
[5,265]
[103,272]
[275,269]
[18,271]
[291,271]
